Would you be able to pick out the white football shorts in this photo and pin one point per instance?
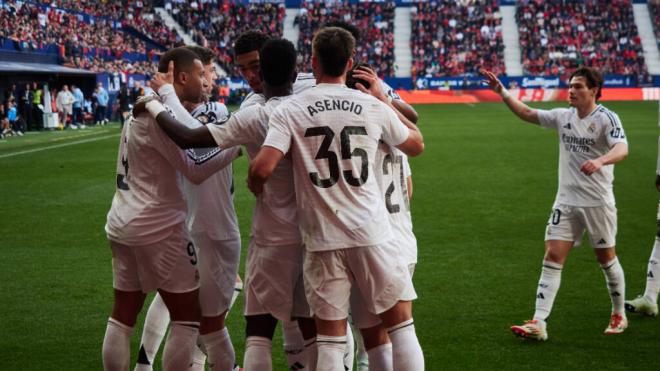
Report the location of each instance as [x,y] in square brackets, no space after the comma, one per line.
[376,271]
[169,265]
[274,282]
[568,223]
[218,267]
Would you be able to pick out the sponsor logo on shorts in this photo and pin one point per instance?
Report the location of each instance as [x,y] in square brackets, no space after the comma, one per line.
[602,242]
[540,296]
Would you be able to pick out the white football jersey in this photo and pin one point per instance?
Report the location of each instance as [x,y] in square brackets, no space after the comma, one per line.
[211,203]
[148,200]
[581,140]
[332,133]
[252,99]
[392,172]
[275,221]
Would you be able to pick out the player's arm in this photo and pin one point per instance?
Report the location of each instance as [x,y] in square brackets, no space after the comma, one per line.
[195,169]
[183,136]
[261,168]
[617,153]
[406,110]
[520,109]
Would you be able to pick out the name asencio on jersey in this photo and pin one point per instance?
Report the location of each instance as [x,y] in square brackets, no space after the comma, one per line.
[334,105]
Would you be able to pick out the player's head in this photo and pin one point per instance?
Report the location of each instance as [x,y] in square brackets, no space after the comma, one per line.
[332,52]
[207,57]
[189,81]
[279,67]
[65,88]
[246,57]
[584,86]
[348,27]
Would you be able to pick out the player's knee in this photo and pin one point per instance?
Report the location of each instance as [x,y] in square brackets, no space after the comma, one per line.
[400,312]
[307,327]
[127,306]
[374,336]
[261,325]
[182,306]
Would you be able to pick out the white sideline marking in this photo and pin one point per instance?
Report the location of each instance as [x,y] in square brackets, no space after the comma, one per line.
[58,146]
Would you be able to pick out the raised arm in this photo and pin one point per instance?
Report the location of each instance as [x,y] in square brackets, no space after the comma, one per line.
[520,109]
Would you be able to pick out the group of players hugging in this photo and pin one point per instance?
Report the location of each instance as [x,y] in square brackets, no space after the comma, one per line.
[331,235]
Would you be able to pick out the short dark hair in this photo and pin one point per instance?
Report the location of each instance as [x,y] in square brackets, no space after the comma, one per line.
[183,58]
[249,41]
[593,77]
[333,47]
[205,55]
[279,61]
[348,27]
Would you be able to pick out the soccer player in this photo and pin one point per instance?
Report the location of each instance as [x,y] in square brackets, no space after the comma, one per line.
[591,141]
[145,226]
[274,287]
[648,302]
[346,232]
[395,180]
[213,226]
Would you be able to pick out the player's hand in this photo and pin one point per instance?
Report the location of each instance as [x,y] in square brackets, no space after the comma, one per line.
[492,80]
[161,79]
[591,166]
[375,87]
[657,182]
[140,104]
[256,189]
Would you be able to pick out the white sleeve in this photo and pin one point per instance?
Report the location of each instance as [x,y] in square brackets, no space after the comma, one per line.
[615,132]
[394,131]
[387,90]
[242,127]
[195,169]
[549,119]
[171,100]
[279,134]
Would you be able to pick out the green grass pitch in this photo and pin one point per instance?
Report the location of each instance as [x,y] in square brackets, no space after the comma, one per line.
[483,191]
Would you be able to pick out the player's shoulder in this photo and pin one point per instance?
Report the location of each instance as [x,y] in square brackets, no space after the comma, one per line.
[606,116]
[305,77]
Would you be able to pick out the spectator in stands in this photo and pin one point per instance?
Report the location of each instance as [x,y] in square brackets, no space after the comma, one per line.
[101,97]
[64,103]
[5,128]
[124,102]
[78,101]
[558,37]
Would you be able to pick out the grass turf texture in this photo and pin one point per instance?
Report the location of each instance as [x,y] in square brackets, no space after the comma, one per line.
[483,192]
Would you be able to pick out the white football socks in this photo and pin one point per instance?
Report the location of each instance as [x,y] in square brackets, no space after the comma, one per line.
[616,284]
[380,358]
[547,289]
[361,356]
[116,346]
[653,274]
[294,345]
[219,350]
[310,355]
[258,354]
[180,345]
[349,353]
[155,327]
[199,358]
[331,351]
[406,352]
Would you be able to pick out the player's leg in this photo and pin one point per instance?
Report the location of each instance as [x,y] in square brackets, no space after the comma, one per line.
[562,231]
[293,343]
[128,301]
[218,270]
[361,356]
[349,353]
[386,286]
[155,328]
[327,287]
[259,330]
[184,330]
[648,302]
[371,333]
[601,223]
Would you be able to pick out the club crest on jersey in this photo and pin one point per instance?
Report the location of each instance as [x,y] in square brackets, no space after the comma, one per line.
[203,119]
[591,128]
[567,126]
